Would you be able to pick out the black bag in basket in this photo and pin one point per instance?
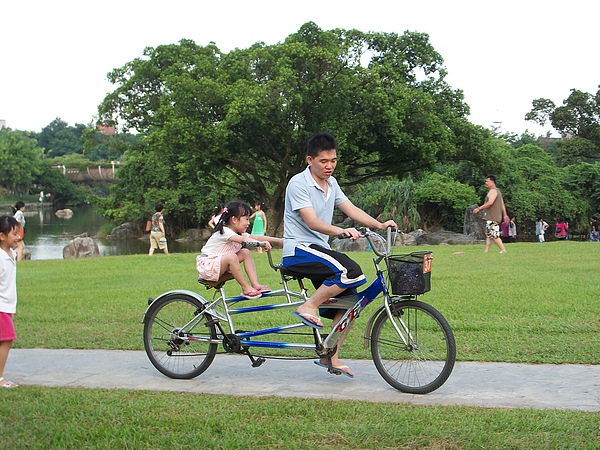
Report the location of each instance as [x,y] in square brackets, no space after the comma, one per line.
[410,274]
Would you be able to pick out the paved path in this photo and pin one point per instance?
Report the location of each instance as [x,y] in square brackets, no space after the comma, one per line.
[497,385]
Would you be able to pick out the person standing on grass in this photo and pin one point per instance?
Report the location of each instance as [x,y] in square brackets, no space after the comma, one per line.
[310,199]
[9,237]
[512,229]
[594,230]
[561,228]
[495,212]
[20,216]
[505,227]
[259,227]
[214,220]
[540,229]
[157,234]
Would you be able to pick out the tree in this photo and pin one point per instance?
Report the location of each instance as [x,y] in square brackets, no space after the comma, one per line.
[145,179]
[241,120]
[63,190]
[583,180]
[20,160]
[444,200]
[578,117]
[389,198]
[533,185]
[98,146]
[59,139]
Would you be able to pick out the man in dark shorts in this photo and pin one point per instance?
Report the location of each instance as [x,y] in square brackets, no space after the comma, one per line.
[311,197]
[495,212]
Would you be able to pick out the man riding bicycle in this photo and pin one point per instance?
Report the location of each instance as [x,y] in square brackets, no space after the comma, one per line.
[311,197]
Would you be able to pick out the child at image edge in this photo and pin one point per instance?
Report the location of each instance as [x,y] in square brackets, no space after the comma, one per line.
[9,238]
[223,251]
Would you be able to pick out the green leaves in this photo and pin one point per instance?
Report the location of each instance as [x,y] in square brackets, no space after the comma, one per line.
[244,117]
[578,117]
[20,159]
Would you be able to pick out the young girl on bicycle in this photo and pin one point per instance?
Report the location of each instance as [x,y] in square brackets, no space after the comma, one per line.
[9,237]
[223,251]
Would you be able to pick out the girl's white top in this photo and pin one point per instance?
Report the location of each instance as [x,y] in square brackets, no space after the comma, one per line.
[20,218]
[8,282]
[217,241]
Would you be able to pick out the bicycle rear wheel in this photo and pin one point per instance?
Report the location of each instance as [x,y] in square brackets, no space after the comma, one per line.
[419,359]
[175,342]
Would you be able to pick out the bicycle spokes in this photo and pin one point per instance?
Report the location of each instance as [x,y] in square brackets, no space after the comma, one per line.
[413,349]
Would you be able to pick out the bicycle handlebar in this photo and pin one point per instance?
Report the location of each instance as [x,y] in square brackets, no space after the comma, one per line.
[371,236]
[248,244]
[365,231]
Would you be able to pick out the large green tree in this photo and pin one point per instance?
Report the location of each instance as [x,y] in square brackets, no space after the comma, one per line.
[577,120]
[240,120]
[99,146]
[533,185]
[20,160]
[59,139]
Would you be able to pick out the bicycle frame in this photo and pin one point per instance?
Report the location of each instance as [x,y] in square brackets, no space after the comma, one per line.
[221,312]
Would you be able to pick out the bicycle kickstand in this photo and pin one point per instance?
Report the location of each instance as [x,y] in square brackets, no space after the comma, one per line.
[256,362]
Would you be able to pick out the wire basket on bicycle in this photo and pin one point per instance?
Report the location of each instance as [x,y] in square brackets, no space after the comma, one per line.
[410,274]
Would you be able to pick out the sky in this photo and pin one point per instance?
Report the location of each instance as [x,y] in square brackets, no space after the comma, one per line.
[55,55]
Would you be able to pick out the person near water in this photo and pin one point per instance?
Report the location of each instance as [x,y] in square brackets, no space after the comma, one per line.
[259,226]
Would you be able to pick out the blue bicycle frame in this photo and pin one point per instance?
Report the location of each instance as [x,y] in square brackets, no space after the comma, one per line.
[412,344]
[353,304]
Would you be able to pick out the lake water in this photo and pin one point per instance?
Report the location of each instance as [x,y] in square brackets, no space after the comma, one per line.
[46,234]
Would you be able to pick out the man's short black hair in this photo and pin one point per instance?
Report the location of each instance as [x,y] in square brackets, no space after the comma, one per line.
[320,142]
[491,177]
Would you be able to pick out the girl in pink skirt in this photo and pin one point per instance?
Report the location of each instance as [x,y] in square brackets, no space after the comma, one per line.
[223,251]
[9,238]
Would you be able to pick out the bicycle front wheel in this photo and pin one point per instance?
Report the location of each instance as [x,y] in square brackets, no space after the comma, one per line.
[414,351]
[176,337]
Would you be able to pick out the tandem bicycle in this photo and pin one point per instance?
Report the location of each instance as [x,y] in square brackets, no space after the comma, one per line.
[411,343]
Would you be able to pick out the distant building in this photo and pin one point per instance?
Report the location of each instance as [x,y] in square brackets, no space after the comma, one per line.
[2,124]
[547,141]
[107,130]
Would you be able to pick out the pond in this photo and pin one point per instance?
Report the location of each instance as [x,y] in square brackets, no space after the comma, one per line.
[46,234]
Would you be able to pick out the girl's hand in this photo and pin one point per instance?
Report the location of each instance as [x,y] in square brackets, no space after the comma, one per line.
[267,245]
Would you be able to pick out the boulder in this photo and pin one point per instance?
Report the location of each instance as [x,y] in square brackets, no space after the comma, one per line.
[127,230]
[445,238]
[199,234]
[474,224]
[81,247]
[64,213]
[406,240]
[348,245]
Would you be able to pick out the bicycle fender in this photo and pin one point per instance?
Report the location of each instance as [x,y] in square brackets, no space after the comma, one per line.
[175,292]
[367,335]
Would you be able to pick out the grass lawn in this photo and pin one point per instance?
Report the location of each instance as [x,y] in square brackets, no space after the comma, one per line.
[536,304]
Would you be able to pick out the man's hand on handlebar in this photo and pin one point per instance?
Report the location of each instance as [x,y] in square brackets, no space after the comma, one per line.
[352,233]
[356,232]
[389,224]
